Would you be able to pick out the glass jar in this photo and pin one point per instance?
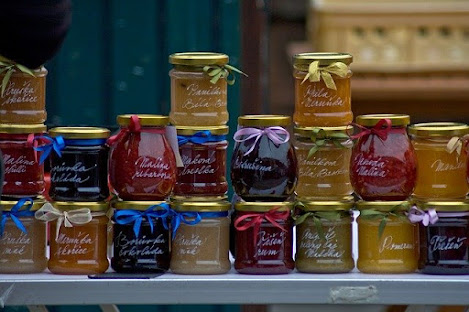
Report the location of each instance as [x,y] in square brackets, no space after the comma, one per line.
[322,89]
[263,166]
[442,169]
[444,236]
[323,156]
[383,164]
[203,153]
[23,101]
[201,238]
[263,238]
[140,236]
[387,241]
[324,237]
[24,175]
[142,165]
[23,245]
[80,172]
[78,230]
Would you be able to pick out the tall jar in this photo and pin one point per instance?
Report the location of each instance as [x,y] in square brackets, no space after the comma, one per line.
[80,172]
[24,98]
[24,175]
[323,156]
[23,242]
[142,165]
[324,237]
[263,238]
[322,89]
[387,241]
[203,153]
[383,164]
[200,237]
[263,166]
[441,150]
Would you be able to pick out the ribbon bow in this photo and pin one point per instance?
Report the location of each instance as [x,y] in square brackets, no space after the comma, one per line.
[9,67]
[200,138]
[222,71]
[317,217]
[456,144]
[315,73]
[318,137]
[57,144]
[15,213]
[134,126]
[273,133]
[378,130]
[416,215]
[136,217]
[372,214]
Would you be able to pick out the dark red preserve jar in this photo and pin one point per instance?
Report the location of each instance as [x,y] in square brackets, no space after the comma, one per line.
[383,164]
[24,176]
[142,165]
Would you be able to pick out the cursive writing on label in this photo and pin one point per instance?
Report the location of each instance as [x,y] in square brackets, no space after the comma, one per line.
[188,245]
[14,245]
[16,165]
[370,167]
[269,244]
[443,243]
[14,94]
[71,174]
[150,167]
[141,246]
[388,243]
[439,165]
[316,96]
[80,244]
[315,247]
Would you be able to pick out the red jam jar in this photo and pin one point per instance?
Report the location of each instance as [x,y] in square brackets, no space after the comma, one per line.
[264,238]
[383,164]
[24,176]
[203,153]
[142,165]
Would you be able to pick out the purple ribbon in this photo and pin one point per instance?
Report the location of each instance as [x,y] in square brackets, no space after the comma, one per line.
[273,133]
[416,215]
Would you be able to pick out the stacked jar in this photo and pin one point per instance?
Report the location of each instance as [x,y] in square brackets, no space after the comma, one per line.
[441,208]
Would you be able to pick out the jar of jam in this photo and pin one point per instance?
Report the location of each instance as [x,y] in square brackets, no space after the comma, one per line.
[142,165]
[78,230]
[324,237]
[263,166]
[383,164]
[24,175]
[441,150]
[444,236]
[263,238]
[141,236]
[23,99]
[203,153]
[22,237]
[80,172]
[201,239]
[323,156]
[322,89]
[387,241]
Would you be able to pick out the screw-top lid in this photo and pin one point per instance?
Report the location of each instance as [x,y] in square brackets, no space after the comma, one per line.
[303,60]
[198,58]
[188,130]
[6,205]
[264,120]
[383,206]
[200,206]
[444,206]
[326,205]
[372,119]
[328,131]
[135,205]
[80,132]
[439,129]
[263,206]
[22,129]
[145,120]
[93,206]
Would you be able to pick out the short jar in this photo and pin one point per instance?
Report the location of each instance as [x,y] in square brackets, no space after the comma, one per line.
[442,170]
[387,241]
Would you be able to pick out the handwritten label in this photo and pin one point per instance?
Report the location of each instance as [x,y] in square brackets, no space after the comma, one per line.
[315,96]
[439,165]
[211,97]
[150,167]
[198,165]
[16,165]
[320,167]
[388,243]
[188,245]
[81,244]
[255,166]
[143,246]
[315,247]
[71,174]
[269,244]
[15,245]
[443,243]
[24,93]
[370,167]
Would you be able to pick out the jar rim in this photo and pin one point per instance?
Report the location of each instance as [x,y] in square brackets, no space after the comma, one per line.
[383,206]
[6,205]
[134,204]
[198,58]
[324,58]
[22,128]
[308,131]
[444,205]
[371,120]
[190,130]
[69,205]
[439,129]
[264,120]
[326,205]
[180,198]
[200,206]
[80,132]
[263,206]
[147,120]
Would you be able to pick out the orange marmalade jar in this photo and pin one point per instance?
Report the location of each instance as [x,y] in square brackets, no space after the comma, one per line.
[441,150]
[322,89]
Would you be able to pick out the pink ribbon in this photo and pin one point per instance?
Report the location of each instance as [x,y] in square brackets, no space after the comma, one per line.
[378,130]
[416,215]
[273,133]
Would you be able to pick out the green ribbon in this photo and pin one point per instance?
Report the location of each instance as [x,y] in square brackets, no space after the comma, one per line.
[319,139]
[9,67]
[315,73]
[222,71]
[317,217]
[371,214]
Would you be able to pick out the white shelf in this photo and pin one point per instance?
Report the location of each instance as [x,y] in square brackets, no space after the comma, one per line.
[233,288]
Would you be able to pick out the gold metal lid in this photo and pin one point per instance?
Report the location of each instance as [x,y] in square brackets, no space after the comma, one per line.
[308,131]
[134,205]
[176,198]
[264,120]
[326,205]
[372,119]
[93,206]
[263,206]
[384,206]
[325,58]
[215,130]
[439,129]
[444,206]
[6,205]
[80,132]
[198,58]
[145,120]
[22,129]
[200,206]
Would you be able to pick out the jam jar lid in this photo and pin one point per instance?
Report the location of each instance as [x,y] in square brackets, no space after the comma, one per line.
[343,205]
[384,206]
[198,58]
[92,206]
[6,205]
[201,206]
[22,128]
[372,119]
[444,205]
[439,129]
[190,130]
[328,131]
[134,204]
[263,206]
[325,58]
[264,120]
[80,132]
[147,120]
[179,198]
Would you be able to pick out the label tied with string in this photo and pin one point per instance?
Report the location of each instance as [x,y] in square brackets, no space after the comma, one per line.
[277,135]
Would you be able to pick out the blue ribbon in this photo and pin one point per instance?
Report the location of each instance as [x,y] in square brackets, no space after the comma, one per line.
[85,142]
[178,217]
[15,213]
[57,144]
[127,216]
[200,138]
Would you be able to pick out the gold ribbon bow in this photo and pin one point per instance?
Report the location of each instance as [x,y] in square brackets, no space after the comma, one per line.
[315,73]
[9,67]
[222,71]
[456,144]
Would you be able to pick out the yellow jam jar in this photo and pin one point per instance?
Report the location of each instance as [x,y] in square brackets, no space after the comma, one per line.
[387,241]
[441,150]
[322,89]
[324,237]
[323,157]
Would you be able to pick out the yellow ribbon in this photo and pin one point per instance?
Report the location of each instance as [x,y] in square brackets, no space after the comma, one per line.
[315,73]
[222,71]
[456,144]
[8,67]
